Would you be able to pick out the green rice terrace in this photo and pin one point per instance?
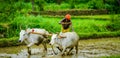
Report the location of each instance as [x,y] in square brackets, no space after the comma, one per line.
[97,24]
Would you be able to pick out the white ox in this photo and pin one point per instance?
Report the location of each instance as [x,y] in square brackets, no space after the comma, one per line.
[70,41]
[39,36]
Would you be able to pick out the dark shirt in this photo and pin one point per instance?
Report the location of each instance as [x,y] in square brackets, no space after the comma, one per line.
[65,23]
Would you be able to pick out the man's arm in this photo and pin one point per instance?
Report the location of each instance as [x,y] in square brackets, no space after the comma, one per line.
[60,22]
[66,23]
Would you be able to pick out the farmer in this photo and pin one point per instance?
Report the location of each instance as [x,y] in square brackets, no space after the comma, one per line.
[66,24]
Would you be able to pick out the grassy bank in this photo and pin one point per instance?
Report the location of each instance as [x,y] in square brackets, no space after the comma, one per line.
[74,12]
[6,42]
[112,56]
[99,35]
[100,17]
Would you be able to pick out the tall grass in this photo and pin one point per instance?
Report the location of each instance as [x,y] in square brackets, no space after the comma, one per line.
[31,21]
[64,6]
[81,26]
[82,6]
[9,42]
[56,7]
[51,24]
[86,28]
[89,25]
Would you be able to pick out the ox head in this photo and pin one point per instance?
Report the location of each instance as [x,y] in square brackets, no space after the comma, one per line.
[23,35]
[53,39]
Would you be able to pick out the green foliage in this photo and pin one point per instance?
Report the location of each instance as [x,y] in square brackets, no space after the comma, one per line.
[89,26]
[81,1]
[9,10]
[5,11]
[22,7]
[72,4]
[111,56]
[14,14]
[99,35]
[51,24]
[56,7]
[24,22]
[9,42]
[114,24]
[96,4]
[50,1]
[81,6]
[41,4]
[31,21]
[3,30]
[113,6]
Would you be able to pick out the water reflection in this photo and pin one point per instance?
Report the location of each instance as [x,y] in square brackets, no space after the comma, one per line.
[28,56]
[53,56]
[70,56]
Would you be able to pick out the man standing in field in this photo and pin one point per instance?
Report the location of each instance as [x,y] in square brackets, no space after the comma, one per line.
[66,24]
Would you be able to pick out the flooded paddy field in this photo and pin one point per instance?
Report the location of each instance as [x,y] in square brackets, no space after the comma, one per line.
[91,48]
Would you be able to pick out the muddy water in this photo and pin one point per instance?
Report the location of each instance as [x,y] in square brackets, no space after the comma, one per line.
[92,48]
[38,53]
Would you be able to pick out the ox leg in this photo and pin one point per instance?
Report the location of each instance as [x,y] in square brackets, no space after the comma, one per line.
[59,49]
[69,51]
[29,51]
[45,49]
[76,47]
[28,47]
[63,51]
[30,44]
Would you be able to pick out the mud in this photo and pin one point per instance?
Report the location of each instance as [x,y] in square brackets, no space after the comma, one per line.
[87,49]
